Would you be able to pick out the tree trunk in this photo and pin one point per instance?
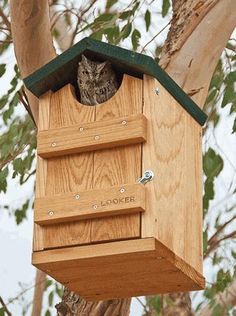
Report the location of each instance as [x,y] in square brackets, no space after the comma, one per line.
[31,34]
[38,293]
[198,34]
[74,305]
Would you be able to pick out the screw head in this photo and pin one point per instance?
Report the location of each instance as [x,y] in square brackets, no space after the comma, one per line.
[81,129]
[53,144]
[96,137]
[157,90]
[124,122]
[50,213]
[122,190]
[148,174]
[77,197]
[95,206]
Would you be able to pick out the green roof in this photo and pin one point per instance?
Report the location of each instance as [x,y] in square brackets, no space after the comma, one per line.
[63,69]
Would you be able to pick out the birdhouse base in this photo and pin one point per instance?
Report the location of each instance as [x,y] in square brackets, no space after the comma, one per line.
[119,269]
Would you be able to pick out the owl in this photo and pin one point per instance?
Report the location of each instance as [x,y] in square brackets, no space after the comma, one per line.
[97,81]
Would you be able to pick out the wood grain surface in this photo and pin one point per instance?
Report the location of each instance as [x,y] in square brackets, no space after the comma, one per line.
[93,170]
[121,269]
[173,152]
[116,200]
[92,136]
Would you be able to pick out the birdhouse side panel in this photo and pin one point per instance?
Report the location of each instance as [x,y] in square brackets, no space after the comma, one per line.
[173,152]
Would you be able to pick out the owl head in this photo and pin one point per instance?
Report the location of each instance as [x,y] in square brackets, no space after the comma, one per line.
[93,71]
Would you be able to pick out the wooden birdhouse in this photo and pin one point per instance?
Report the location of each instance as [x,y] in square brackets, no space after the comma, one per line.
[118,207]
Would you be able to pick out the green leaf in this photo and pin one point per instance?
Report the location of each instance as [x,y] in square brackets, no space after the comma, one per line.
[3,101]
[155,302]
[50,298]
[212,164]
[205,240]
[216,259]
[97,35]
[233,254]
[135,7]
[110,3]
[48,283]
[135,39]
[222,280]
[3,179]
[126,30]
[210,292]
[218,310]
[228,97]
[209,193]
[2,69]
[234,127]
[104,17]
[18,165]
[147,18]
[48,313]
[125,15]
[2,313]
[20,214]
[165,7]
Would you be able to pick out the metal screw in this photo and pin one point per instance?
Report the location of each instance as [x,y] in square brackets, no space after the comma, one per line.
[157,90]
[124,122]
[95,206]
[122,190]
[53,144]
[50,213]
[81,129]
[148,176]
[96,137]
[77,197]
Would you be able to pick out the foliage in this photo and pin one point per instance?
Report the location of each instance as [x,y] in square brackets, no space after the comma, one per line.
[128,25]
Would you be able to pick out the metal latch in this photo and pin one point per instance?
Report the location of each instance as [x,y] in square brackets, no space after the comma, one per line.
[148,176]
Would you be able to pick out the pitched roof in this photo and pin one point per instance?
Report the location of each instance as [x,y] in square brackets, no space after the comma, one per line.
[63,69]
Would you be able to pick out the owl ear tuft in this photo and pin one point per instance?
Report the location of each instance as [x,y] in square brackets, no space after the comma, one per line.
[104,64]
[84,59]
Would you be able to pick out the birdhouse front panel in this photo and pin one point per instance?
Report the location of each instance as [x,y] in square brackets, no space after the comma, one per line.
[118,188]
[74,180]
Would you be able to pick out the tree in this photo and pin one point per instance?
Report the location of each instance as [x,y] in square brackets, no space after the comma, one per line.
[198,33]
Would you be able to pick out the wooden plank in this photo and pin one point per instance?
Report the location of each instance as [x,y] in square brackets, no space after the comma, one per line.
[106,271]
[62,70]
[41,172]
[92,136]
[118,166]
[89,204]
[173,152]
[84,171]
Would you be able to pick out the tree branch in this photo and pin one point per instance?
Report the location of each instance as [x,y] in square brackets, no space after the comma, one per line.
[227,298]
[38,292]
[5,307]
[32,39]
[191,54]
[5,19]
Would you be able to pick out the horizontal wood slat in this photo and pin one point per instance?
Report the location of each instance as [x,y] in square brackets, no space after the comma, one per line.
[118,200]
[92,136]
[119,269]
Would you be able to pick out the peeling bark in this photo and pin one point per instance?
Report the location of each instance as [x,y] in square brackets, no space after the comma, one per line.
[191,53]
[74,305]
[30,26]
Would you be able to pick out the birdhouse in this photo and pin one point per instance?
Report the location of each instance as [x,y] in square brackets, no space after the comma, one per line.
[118,201]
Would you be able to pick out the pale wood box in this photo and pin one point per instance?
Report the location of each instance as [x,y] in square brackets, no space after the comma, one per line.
[97,229]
